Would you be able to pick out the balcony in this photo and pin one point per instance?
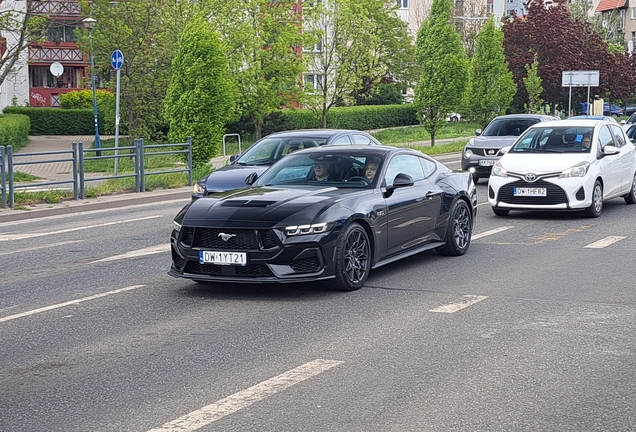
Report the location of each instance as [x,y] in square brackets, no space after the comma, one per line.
[53,54]
[56,8]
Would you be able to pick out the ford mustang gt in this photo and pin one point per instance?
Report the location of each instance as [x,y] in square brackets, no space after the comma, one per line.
[328,214]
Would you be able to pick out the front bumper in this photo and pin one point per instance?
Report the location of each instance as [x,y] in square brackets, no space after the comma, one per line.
[272,258]
[479,165]
[561,194]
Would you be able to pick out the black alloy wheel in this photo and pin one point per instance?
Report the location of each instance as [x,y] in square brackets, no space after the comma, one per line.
[353,259]
[596,208]
[459,230]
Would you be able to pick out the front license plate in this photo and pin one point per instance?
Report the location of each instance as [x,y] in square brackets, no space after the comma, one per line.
[487,162]
[530,192]
[223,258]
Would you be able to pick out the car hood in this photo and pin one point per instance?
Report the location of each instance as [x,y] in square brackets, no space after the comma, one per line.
[541,162]
[493,141]
[231,177]
[265,207]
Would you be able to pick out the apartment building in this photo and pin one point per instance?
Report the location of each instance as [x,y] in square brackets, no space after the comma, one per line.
[32,81]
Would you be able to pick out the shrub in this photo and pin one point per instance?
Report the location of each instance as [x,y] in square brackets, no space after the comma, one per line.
[14,130]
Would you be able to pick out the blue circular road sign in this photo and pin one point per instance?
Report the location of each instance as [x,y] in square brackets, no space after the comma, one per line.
[117,59]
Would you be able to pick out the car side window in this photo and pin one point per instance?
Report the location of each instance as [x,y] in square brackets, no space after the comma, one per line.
[406,164]
[605,137]
[343,140]
[361,139]
[428,166]
[619,141]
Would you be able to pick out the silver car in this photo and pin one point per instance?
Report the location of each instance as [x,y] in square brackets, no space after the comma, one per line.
[484,150]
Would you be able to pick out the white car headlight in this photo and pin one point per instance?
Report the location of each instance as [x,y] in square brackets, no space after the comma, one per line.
[579,170]
[467,153]
[498,171]
[197,189]
[306,229]
[177,226]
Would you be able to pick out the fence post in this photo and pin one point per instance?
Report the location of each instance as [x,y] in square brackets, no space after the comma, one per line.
[136,159]
[74,147]
[2,178]
[10,165]
[80,154]
[189,161]
[142,162]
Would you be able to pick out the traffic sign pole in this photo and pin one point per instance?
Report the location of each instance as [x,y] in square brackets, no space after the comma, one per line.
[117,61]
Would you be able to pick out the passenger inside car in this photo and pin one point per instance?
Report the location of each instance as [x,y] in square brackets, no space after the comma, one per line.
[371,168]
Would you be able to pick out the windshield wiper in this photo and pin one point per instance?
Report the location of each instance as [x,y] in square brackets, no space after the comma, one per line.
[537,151]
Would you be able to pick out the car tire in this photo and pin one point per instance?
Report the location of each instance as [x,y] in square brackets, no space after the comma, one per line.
[459,230]
[353,259]
[630,198]
[596,208]
[500,212]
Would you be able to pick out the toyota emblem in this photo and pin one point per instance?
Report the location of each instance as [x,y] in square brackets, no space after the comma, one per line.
[530,177]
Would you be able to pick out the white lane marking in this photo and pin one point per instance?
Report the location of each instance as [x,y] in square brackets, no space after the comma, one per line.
[451,308]
[41,247]
[68,303]
[162,248]
[224,407]
[604,242]
[10,237]
[491,232]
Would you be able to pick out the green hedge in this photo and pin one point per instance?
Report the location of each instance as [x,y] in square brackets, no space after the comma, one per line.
[14,130]
[365,117]
[55,121]
[106,104]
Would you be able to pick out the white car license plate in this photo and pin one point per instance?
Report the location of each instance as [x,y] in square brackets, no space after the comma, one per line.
[530,192]
[223,258]
[487,162]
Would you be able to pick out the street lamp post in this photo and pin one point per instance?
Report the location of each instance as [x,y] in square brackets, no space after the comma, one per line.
[89,23]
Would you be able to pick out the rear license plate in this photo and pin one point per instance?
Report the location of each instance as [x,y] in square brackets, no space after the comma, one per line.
[487,162]
[223,258]
[530,192]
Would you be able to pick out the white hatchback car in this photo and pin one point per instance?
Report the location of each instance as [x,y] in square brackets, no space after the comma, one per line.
[551,167]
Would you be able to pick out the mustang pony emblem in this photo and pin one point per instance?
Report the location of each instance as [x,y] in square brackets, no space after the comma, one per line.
[226,237]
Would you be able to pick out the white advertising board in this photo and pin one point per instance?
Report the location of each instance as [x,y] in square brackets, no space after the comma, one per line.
[580,79]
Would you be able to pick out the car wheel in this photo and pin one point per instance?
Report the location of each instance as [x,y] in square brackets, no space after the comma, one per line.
[595,209]
[500,212]
[353,259]
[630,198]
[458,231]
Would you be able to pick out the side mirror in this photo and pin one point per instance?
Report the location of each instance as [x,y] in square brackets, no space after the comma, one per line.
[609,150]
[623,122]
[402,180]
[478,132]
[233,158]
[250,179]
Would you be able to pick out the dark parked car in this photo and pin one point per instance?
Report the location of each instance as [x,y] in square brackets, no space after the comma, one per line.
[263,153]
[290,227]
[483,151]
[615,111]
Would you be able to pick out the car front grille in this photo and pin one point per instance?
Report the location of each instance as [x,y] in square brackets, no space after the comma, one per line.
[486,152]
[239,239]
[555,194]
[249,270]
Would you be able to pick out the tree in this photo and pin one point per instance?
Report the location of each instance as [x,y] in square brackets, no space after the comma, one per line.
[264,39]
[359,44]
[532,83]
[443,65]
[491,88]
[562,43]
[21,27]
[199,101]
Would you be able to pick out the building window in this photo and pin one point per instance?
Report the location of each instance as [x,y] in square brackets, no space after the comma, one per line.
[490,8]
[41,76]
[634,13]
[311,3]
[403,4]
[60,32]
[317,47]
[313,82]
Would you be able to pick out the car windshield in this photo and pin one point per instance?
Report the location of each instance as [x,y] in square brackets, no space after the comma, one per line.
[269,150]
[508,127]
[342,170]
[571,139]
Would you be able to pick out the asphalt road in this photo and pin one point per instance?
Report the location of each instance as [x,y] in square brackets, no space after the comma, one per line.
[532,330]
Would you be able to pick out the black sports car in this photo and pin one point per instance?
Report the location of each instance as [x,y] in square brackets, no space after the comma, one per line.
[264,152]
[328,213]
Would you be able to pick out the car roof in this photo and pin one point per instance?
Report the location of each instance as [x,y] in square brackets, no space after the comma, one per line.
[577,122]
[593,117]
[319,133]
[527,116]
[377,150]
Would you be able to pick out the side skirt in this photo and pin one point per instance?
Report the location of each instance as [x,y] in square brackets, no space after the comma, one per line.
[393,258]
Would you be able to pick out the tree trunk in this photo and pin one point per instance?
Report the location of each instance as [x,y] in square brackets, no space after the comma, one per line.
[258,130]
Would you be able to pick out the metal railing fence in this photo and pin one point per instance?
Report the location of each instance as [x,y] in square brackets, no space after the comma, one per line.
[77,156]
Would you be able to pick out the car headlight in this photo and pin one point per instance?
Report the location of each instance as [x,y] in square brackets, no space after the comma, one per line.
[467,153]
[198,189]
[498,171]
[307,229]
[578,170]
[177,226]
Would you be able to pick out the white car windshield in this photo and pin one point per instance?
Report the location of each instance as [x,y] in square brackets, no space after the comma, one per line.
[555,140]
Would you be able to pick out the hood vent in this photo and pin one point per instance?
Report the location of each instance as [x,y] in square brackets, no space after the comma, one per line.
[247,203]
